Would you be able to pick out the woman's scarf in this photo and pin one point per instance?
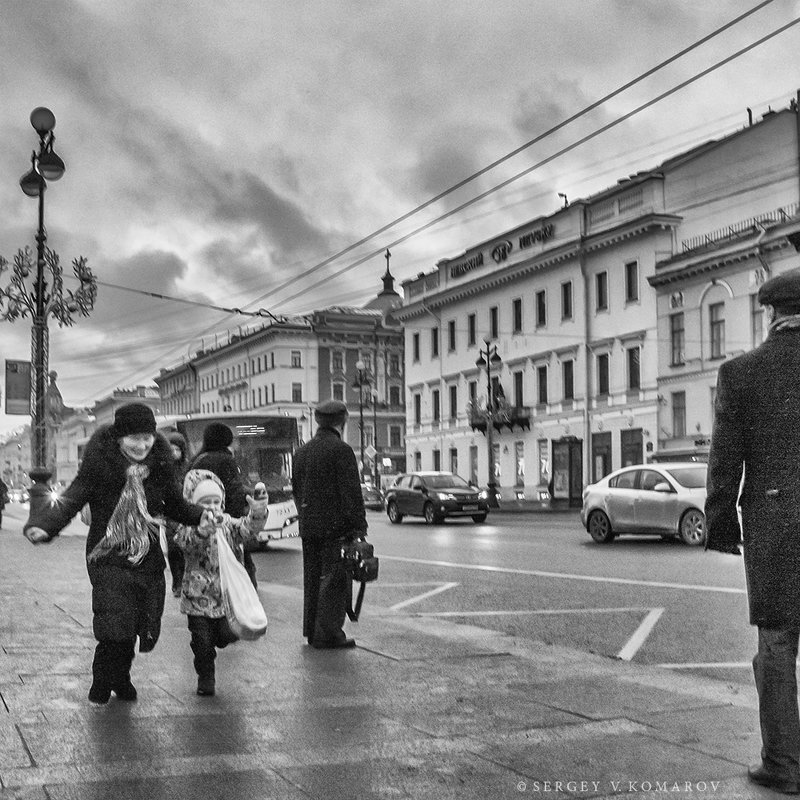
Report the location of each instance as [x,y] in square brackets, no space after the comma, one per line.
[131,527]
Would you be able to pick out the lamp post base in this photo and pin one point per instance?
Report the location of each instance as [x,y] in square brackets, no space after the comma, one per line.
[492,500]
[39,493]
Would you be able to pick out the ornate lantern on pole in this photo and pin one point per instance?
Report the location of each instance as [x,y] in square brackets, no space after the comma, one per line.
[362,380]
[489,357]
[40,300]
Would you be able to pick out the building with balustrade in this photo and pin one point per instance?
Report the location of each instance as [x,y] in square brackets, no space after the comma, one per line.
[605,320]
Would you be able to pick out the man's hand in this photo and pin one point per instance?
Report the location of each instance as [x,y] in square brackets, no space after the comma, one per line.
[37,535]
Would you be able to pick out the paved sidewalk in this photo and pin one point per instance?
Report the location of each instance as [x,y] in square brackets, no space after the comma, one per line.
[423,708]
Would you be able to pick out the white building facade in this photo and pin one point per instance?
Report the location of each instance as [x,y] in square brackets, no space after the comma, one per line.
[579,306]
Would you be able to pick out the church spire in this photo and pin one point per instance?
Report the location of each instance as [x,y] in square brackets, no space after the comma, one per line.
[388,279]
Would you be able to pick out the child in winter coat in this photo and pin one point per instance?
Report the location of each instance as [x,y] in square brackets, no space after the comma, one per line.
[201,593]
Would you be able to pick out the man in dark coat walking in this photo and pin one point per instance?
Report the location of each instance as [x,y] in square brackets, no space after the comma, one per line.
[327,491]
[755,464]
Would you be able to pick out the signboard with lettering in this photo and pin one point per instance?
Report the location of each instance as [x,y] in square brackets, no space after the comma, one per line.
[18,387]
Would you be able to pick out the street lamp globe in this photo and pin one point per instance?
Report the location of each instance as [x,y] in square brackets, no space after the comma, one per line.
[43,120]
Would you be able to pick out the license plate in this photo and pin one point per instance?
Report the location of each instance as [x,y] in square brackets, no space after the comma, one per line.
[470,508]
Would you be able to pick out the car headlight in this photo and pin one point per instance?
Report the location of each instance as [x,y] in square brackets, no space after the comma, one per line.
[483,495]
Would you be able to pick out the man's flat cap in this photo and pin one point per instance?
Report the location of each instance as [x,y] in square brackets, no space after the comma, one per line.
[331,408]
[782,290]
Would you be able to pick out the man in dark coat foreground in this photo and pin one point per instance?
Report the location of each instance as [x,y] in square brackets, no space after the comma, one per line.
[757,434]
[327,491]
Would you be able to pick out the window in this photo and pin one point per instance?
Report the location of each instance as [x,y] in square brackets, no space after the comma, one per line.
[756,320]
[601,291]
[453,401]
[471,329]
[517,377]
[297,392]
[394,365]
[631,281]
[417,409]
[678,414]
[296,359]
[494,322]
[516,311]
[434,343]
[625,480]
[472,391]
[417,461]
[716,318]
[272,362]
[567,370]
[337,361]
[541,308]
[435,402]
[677,337]
[451,335]
[602,374]
[337,392]
[394,396]
[415,346]
[437,460]
[649,479]
[366,358]
[454,460]
[395,436]
[541,380]
[566,300]
[634,371]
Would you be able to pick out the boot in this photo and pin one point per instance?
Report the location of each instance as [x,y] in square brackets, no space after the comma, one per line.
[100,691]
[206,685]
[122,658]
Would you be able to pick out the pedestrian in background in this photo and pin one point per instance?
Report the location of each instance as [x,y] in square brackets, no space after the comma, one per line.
[127,477]
[180,453]
[201,592]
[754,464]
[327,491]
[3,499]
[216,456]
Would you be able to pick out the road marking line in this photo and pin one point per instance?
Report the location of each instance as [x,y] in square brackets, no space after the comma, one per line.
[642,632]
[568,576]
[539,611]
[423,596]
[710,665]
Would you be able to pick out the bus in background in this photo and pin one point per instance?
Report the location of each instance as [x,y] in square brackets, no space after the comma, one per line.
[263,447]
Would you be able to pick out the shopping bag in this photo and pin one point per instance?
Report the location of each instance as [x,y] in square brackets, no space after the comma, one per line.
[243,609]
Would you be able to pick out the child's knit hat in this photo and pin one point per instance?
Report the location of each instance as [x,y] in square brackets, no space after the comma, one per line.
[200,483]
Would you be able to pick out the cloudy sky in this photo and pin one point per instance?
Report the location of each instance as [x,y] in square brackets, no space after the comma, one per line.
[223,151]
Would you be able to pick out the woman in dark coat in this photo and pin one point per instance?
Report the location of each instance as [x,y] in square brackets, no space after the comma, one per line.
[128,478]
[216,456]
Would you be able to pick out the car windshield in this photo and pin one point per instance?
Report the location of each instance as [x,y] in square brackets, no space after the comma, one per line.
[690,477]
[445,482]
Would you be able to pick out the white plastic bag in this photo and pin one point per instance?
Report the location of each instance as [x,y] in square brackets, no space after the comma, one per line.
[243,609]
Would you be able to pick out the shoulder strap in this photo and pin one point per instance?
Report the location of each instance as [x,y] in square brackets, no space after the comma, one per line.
[353,613]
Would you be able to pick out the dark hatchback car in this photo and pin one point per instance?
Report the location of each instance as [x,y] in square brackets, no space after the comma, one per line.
[434,496]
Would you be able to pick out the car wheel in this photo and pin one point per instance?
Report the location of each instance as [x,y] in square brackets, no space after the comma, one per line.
[479,517]
[431,517]
[600,527]
[395,516]
[693,528]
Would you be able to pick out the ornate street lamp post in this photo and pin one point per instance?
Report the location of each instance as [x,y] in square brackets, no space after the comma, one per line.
[40,301]
[360,382]
[489,357]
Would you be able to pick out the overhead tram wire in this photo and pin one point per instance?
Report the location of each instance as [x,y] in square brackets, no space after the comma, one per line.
[507,182]
[513,153]
[539,164]
[591,107]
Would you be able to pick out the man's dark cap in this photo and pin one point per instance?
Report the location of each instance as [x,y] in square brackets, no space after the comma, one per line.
[217,436]
[782,290]
[331,411]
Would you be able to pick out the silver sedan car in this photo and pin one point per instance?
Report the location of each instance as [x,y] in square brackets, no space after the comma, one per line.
[666,499]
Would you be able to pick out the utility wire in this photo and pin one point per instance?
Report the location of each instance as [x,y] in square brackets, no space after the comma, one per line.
[514,178]
[541,163]
[460,184]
